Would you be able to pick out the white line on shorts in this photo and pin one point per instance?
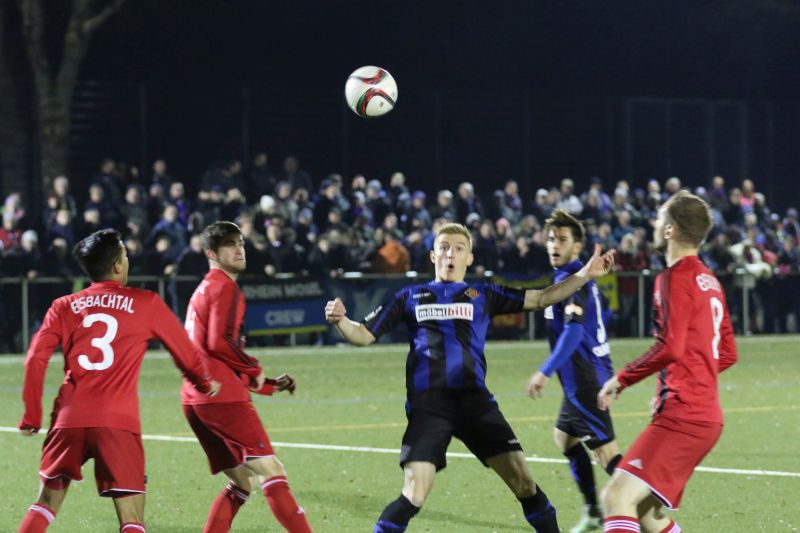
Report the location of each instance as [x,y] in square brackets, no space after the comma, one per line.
[454,455]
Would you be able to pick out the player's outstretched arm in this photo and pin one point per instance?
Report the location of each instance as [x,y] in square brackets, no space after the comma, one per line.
[42,346]
[598,265]
[352,331]
[165,327]
[270,385]
[567,343]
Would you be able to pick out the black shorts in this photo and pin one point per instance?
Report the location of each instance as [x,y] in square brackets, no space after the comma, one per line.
[470,415]
[580,417]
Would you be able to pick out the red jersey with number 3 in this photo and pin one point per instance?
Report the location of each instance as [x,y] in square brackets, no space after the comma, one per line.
[103,331]
[694,342]
[214,321]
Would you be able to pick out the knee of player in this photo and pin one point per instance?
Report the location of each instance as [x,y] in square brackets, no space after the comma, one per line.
[415,494]
[266,467]
[416,490]
[520,482]
[53,492]
[561,439]
[525,487]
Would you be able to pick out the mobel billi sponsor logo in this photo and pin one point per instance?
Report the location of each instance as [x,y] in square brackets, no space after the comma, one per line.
[459,311]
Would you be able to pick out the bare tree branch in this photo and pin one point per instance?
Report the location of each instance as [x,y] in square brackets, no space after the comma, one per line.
[82,22]
[33,31]
[97,20]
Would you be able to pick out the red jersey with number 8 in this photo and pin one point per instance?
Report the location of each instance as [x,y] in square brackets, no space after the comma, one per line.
[694,342]
[104,332]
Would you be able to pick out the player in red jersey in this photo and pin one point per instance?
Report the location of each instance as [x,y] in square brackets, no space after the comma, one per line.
[228,425]
[694,342]
[103,331]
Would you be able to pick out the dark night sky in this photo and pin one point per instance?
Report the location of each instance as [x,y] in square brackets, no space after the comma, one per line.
[714,48]
[563,59]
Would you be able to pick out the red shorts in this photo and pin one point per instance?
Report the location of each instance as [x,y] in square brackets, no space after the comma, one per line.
[230,433]
[118,459]
[665,455]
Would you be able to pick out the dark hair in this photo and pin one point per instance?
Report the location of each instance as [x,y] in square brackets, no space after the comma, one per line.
[216,232]
[562,219]
[98,252]
[690,215]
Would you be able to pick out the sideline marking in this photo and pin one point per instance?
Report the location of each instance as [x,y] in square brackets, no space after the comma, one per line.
[402,348]
[365,449]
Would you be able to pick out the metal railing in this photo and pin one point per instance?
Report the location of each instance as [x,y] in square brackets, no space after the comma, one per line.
[739,286]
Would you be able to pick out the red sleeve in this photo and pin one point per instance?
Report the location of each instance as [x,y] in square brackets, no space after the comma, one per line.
[676,297]
[221,344]
[165,327]
[727,346]
[42,346]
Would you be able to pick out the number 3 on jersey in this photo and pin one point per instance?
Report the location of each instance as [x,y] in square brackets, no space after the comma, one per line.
[103,343]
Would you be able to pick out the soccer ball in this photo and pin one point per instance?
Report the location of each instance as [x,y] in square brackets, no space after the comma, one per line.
[370,92]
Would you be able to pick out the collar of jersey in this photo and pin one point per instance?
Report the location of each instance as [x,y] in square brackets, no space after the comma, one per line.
[571,268]
[447,283]
[107,283]
[218,272]
[685,260]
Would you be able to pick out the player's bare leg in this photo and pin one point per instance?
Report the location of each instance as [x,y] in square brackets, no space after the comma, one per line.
[276,490]
[130,512]
[537,509]
[418,481]
[43,512]
[607,455]
[417,485]
[621,499]
[653,519]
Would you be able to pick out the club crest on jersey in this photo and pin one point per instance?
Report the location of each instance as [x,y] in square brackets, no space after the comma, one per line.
[458,311]
[471,293]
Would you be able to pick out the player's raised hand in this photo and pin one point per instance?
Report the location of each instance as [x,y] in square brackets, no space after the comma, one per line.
[335,311]
[536,384]
[609,393]
[599,264]
[285,382]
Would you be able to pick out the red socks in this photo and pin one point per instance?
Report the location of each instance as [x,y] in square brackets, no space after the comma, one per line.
[284,506]
[132,527]
[672,527]
[36,520]
[224,509]
[621,524]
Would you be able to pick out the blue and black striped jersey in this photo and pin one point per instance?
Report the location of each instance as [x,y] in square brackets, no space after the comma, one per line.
[591,361]
[447,324]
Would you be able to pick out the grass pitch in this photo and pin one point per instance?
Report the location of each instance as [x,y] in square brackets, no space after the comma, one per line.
[338,438]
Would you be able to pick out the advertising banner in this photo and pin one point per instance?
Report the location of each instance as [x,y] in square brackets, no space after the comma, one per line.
[277,307]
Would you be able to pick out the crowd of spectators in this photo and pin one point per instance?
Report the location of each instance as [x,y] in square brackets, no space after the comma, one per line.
[296,224]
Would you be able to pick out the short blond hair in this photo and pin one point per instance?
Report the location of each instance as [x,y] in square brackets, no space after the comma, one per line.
[453,228]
